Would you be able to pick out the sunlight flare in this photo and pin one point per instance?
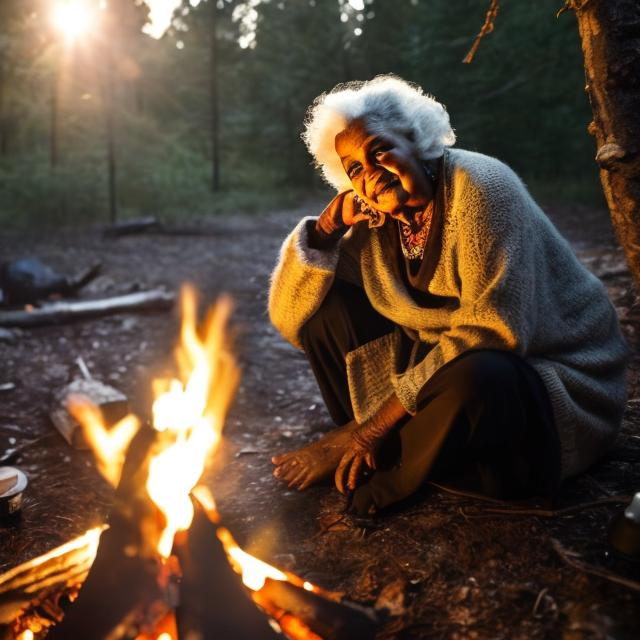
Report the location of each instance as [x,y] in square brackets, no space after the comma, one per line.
[73,18]
[160,16]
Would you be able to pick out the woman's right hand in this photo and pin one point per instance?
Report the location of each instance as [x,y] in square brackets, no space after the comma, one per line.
[340,214]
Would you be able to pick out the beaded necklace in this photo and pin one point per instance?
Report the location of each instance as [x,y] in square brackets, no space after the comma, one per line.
[413,242]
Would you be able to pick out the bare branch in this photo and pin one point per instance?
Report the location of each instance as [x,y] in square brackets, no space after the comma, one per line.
[487,28]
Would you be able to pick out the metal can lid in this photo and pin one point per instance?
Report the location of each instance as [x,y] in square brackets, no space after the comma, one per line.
[12,482]
[632,512]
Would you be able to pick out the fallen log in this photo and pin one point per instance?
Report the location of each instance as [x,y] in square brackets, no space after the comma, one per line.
[59,312]
[131,227]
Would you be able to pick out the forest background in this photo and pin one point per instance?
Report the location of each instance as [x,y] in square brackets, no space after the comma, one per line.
[206,117]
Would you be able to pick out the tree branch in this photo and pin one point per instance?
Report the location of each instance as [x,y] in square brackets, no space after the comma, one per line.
[487,28]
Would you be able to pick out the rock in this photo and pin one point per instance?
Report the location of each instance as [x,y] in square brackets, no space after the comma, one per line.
[9,336]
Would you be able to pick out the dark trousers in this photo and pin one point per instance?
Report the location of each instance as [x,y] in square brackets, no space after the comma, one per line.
[484,417]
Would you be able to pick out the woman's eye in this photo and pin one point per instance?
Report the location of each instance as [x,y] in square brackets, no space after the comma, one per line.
[380,150]
[353,170]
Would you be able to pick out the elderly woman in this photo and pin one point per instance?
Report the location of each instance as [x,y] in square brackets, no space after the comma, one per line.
[450,327]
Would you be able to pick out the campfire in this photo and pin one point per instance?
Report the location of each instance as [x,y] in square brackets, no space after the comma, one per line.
[165,565]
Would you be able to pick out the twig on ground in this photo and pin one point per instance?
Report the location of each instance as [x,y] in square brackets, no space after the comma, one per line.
[13,453]
[553,513]
[466,494]
[327,527]
[507,508]
[573,560]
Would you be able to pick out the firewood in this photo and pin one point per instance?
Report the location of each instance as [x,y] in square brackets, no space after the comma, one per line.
[112,403]
[213,600]
[59,312]
[66,565]
[328,619]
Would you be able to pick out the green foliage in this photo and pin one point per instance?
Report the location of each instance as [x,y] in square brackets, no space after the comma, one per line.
[521,100]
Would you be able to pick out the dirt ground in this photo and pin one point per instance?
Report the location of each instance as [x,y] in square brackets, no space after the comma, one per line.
[444,566]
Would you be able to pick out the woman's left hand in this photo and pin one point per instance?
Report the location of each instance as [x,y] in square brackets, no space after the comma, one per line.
[365,441]
[361,451]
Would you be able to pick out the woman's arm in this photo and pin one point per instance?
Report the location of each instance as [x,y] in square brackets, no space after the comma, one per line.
[307,266]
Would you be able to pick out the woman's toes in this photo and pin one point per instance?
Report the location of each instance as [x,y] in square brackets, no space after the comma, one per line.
[289,465]
[291,471]
[280,458]
[297,479]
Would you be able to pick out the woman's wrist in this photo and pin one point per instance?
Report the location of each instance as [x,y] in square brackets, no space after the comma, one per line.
[322,238]
[381,423]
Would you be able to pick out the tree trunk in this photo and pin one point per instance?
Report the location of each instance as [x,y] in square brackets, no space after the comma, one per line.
[215,111]
[54,132]
[610,34]
[111,151]
[4,129]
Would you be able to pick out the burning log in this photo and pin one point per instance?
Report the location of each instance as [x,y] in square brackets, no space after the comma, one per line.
[63,567]
[213,602]
[323,617]
[58,312]
[122,590]
[302,610]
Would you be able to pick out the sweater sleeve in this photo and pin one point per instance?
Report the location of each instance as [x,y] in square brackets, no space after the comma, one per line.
[301,279]
[495,274]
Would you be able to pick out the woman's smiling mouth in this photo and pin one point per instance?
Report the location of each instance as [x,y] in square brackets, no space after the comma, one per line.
[388,185]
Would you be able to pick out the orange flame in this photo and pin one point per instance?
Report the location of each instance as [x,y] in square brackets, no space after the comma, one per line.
[109,445]
[254,572]
[190,412]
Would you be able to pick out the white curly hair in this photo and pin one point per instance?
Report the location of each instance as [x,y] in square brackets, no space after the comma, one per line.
[384,103]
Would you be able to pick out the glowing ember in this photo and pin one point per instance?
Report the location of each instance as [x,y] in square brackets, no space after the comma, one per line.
[254,572]
[190,412]
[108,445]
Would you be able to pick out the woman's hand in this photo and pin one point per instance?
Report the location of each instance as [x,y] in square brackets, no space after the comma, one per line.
[340,214]
[365,441]
[361,450]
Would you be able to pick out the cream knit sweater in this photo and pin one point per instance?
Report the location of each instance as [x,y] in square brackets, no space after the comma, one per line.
[510,282]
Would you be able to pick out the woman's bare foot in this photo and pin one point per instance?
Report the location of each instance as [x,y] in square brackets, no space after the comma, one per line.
[316,461]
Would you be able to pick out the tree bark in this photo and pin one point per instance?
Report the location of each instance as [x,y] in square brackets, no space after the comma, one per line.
[215,102]
[610,34]
[54,132]
[112,186]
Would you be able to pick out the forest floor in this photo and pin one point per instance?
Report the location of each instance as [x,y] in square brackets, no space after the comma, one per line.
[446,566]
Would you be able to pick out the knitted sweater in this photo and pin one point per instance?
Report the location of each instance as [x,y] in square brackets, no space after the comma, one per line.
[508,281]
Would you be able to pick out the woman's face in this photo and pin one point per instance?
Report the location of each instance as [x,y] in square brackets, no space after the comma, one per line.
[383,168]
